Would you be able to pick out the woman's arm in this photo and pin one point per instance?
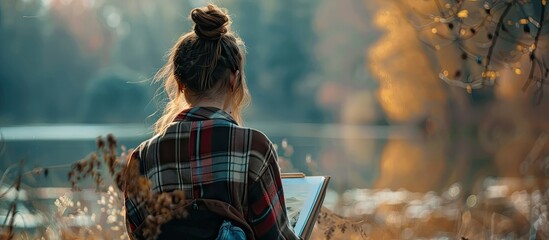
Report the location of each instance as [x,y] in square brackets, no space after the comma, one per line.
[266,205]
[135,208]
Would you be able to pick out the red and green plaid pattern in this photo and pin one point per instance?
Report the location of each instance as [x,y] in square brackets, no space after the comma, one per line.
[206,154]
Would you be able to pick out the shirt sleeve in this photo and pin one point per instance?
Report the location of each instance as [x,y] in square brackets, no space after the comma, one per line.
[267,208]
[135,210]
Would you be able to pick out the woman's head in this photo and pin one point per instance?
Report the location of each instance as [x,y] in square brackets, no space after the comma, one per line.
[205,63]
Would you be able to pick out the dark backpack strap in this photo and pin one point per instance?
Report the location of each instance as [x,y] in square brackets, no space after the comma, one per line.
[224,210]
[219,208]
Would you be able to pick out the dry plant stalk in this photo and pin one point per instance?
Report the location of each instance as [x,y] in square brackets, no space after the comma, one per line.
[7,232]
[161,207]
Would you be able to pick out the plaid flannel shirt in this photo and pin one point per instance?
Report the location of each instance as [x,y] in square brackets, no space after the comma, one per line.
[207,155]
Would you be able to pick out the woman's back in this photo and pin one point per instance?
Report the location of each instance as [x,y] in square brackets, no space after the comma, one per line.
[208,156]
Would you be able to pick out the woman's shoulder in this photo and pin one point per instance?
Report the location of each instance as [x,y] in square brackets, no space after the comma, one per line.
[255,140]
[144,145]
[256,135]
[140,148]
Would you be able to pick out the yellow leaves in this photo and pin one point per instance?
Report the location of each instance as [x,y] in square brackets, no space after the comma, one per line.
[490,74]
[463,13]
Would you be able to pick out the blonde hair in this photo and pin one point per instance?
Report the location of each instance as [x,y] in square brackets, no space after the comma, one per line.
[201,63]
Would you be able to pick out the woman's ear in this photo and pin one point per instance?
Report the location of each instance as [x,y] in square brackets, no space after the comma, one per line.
[234,79]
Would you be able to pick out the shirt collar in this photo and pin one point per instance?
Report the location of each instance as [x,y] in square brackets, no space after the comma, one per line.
[203,113]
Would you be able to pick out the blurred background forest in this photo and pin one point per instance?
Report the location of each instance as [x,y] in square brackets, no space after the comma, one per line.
[412,95]
[83,54]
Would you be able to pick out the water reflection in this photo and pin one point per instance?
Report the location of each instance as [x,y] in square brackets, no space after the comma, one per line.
[403,214]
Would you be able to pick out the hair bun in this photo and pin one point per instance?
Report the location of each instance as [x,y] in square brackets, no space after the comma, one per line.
[210,22]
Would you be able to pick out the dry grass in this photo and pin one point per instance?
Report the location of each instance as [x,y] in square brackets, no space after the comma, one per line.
[101,215]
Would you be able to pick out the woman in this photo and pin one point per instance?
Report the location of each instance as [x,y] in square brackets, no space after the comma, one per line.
[200,148]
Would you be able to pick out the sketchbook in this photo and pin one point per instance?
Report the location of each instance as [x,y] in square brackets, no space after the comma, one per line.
[304,196]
